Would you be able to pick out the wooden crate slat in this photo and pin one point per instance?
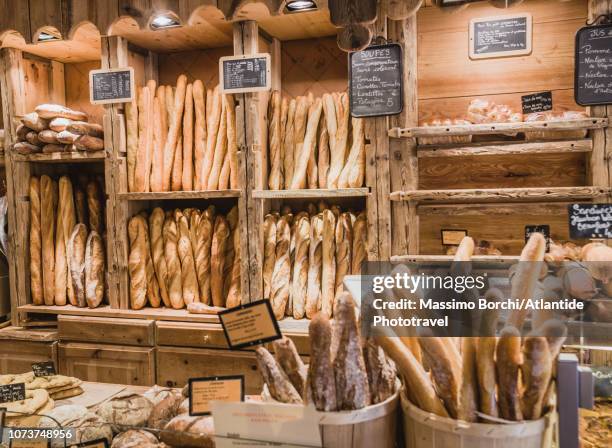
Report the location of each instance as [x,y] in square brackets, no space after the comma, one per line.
[311,193]
[170,195]
[552,147]
[62,157]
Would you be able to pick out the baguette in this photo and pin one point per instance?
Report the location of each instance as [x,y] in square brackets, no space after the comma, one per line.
[152,284]
[224,174]
[156,224]
[76,251]
[94,270]
[230,254]
[137,262]
[217,253]
[468,398]
[344,243]
[131,127]
[80,203]
[300,267]
[187,171]
[289,144]
[269,252]
[177,168]
[382,374]
[34,122]
[94,206]
[351,376]
[36,273]
[173,264]
[508,360]
[199,137]
[323,156]
[232,144]
[284,110]
[320,382]
[279,287]
[68,223]
[331,126]
[536,372]
[289,360]
[234,296]
[59,124]
[360,238]
[89,143]
[142,167]
[158,144]
[47,228]
[525,279]
[485,356]
[173,131]
[220,149]
[417,379]
[204,233]
[213,118]
[328,264]
[299,131]
[189,279]
[50,111]
[163,122]
[315,259]
[275,378]
[307,145]
[275,177]
[338,149]
[96,130]
[48,136]
[353,173]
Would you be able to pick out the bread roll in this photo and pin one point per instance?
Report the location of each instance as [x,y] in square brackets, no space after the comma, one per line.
[269,252]
[220,149]
[188,140]
[189,279]
[77,245]
[536,375]
[137,262]
[96,130]
[279,287]
[157,164]
[289,360]
[36,274]
[300,267]
[174,131]
[275,176]
[142,170]
[217,253]
[173,264]
[344,243]
[34,122]
[289,144]
[199,136]
[47,226]
[315,259]
[320,383]
[50,111]
[328,267]
[94,270]
[95,207]
[276,379]
[508,361]
[305,147]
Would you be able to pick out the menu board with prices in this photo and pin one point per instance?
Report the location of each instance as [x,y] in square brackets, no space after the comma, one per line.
[537,102]
[111,86]
[244,74]
[500,36]
[590,221]
[593,66]
[12,392]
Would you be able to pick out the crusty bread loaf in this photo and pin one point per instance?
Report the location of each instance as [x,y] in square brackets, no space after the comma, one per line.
[199,136]
[328,266]
[468,394]
[34,122]
[36,274]
[47,226]
[22,131]
[66,208]
[289,144]
[25,148]
[32,138]
[306,147]
[53,148]
[76,259]
[66,137]
[94,270]
[315,259]
[156,224]
[170,237]
[189,279]
[217,254]
[289,360]
[204,235]
[508,359]
[80,205]
[95,207]
[89,143]
[48,136]
[279,287]
[344,243]
[320,383]
[131,128]
[153,294]
[275,176]
[137,262]
[382,373]
[59,124]
[187,170]
[276,379]
[174,130]
[300,267]
[269,233]
[50,111]
[360,241]
[536,372]
[189,432]
[96,130]
[214,104]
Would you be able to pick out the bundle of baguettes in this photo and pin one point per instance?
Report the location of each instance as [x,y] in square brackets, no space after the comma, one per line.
[54,128]
[67,255]
[185,258]
[314,143]
[307,255]
[486,377]
[181,138]
[346,374]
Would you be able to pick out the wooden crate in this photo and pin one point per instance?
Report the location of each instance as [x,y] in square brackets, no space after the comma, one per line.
[105,363]
[20,348]
[27,80]
[136,332]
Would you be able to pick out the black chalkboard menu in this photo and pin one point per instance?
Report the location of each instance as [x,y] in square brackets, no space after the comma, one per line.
[375,81]
[44,368]
[12,392]
[242,74]
[500,36]
[593,65]
[537,102]
[111,86]
[590,221]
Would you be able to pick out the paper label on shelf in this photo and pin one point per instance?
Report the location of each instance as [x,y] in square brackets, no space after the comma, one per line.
[265,424]
[250,324]
[202,391]
[109,86]
[453,237]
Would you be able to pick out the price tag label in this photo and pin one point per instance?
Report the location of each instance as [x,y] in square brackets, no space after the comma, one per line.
[452,237]
[44,368]
[250,324]
[98,443]
[537,102]
[202,391]
[111,86]
[544,229]
[12,392]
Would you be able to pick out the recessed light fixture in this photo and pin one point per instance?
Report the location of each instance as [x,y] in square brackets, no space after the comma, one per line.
[300,5]
[165,20]
[46,37]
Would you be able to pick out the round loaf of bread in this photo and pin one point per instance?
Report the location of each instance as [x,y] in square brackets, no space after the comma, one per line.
[187,432]
[127,409]
[135,438]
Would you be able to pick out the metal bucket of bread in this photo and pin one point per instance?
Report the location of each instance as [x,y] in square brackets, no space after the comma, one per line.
[426,430]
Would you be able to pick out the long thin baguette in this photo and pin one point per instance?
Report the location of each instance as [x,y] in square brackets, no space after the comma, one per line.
[137,262]
[508,362]
[47,226]
[131,127]
[323,156]
[275,177]
[187,171]
[288,144]
[306,145]
[536,372]
[199,138]
[95,206]
[220,149]
[315,261]
[158,146]
[94,270]
[353,173]
[142,164]
[279,288]
[269,252]
[175,288]
[232,220]
[36,283]
[177,169]
[219,242]
[300,267]
[163,118]
[338,149]
[485,356]
[156,224]
[468,398]
[224,174]
[234,296]
[189,279]
[232,142]
[299,131]
[202,253]
[174,130]
[68,222]
[344,243]
[153,294]
[360,238]
[328,266]
[213,118]
[76,252]
[284,110]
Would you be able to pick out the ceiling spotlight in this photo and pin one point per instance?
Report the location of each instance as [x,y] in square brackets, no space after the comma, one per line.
[166,20]
[47,34]
[300,5]
[45,37]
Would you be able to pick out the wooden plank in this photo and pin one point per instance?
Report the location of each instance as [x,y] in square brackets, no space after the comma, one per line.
[501,194]
[77,89]
[528,209]
[485,149]
[172,195]
[26,334]
[496,259]
[311,193]
[500,128]
[18,356]
[106,330]
[62,157]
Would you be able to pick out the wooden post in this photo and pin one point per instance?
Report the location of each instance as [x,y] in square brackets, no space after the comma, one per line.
[404,170]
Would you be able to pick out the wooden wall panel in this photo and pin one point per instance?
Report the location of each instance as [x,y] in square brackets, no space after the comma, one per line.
[38,82]
[77,89]
[197,64]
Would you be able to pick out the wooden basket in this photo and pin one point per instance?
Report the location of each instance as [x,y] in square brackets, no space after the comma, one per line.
[425,430]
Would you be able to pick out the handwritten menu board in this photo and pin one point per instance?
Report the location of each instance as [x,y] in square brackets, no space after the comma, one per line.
[588,221]
[44,368]
[537,102]
[593,65]
[111,86]
[241,74]
[501,36]
[12,392]
[376,81]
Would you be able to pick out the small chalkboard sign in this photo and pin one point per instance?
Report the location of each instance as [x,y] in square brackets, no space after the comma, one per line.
[537,102]
[590,221]
[242,74]
[375,81]
[544,229]
[12,392]
[593,65]
[501,36]
[111,86]
[44,368]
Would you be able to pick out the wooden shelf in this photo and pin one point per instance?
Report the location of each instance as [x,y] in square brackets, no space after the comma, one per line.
[62,157]
[493,259]
[511,148]
[171,195]
[314,193]
[498,128]
[500,195]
